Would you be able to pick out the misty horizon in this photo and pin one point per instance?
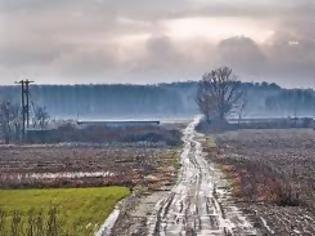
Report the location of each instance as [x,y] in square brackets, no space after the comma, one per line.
[161,101]
[152,84]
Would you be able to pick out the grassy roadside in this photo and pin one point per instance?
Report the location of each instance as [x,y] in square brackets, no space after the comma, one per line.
[80,211]
[228,170]
[254,179]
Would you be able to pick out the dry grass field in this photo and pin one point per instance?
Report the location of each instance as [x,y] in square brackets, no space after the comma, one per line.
[273,176]
[78,166]
[55,188]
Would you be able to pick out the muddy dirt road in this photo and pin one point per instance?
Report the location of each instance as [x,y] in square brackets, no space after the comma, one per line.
[197,204]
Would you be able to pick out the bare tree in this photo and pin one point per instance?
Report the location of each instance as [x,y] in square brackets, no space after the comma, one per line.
[241,109]
[41,117]
[218,93]
[10,121]
[205,101]
[16,121]
[5,121]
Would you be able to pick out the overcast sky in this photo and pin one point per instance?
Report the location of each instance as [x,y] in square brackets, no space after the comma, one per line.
[148,41]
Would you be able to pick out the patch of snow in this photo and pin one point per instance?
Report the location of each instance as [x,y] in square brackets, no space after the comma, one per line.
[108,225]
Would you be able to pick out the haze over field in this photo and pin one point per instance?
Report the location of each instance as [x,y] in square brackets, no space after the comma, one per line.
[118,41]
[163,101]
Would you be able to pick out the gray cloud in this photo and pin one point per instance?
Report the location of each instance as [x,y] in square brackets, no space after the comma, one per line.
[243,54]
[122,41]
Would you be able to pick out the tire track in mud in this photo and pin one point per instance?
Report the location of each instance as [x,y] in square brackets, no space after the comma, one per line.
[193,206]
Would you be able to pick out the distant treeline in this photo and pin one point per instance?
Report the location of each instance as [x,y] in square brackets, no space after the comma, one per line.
[174,100]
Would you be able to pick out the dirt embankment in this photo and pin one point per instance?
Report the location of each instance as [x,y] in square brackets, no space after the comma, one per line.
[69,132]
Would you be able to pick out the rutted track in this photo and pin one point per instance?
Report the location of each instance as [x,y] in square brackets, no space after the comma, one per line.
[196,206]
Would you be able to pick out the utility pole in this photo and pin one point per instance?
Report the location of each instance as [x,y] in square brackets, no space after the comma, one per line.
[25,99]
[27,94]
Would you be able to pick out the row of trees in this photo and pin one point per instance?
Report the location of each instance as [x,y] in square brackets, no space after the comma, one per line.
[294,102]
[11,120]
[111,101]
[175,100]
[220,94]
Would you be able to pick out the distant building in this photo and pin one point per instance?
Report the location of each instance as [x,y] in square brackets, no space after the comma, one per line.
[130,123]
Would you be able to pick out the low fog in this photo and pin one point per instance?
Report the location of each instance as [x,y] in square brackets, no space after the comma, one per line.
[162,101]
